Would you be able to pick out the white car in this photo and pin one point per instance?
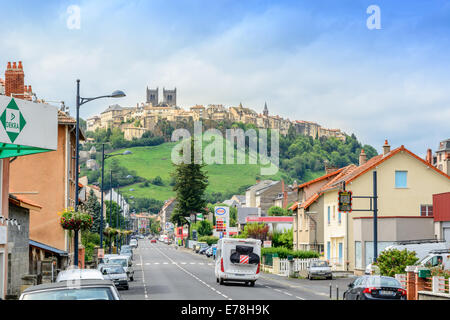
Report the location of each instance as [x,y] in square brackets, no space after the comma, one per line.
[238,260]
[133,243]
[125,262]
[79,274]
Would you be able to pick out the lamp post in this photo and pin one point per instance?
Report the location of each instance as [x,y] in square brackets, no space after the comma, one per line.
[80,101]
[104,157]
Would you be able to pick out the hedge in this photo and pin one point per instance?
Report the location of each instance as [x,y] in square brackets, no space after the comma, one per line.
[208,239]
[284,252]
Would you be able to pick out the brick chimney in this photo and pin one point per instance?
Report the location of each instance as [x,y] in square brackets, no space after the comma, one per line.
[362,157]
[14,80]
[386,148]
[429,157]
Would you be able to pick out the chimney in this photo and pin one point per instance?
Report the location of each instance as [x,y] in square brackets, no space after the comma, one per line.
[362,157]
[386,148]
[429,157]
[14,81]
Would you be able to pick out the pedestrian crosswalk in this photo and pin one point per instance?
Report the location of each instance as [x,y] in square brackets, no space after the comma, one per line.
[168,263]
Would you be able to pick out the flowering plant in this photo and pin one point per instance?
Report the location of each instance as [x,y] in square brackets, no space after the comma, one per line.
[72,220]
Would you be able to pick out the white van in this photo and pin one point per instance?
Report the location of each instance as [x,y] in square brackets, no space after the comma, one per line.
[436,258]
[238,260]
[422,248]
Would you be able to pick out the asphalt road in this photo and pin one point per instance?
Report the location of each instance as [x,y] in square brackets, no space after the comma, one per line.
[162,272]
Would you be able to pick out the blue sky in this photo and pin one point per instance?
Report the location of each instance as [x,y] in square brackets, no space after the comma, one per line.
[310,60]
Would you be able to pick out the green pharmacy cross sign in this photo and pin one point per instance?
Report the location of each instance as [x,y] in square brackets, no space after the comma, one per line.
[12,120]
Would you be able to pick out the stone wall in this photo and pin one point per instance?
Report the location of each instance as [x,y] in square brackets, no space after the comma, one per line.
[18,249]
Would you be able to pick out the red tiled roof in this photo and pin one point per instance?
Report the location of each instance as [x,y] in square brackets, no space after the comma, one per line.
[320,178]
[20,201]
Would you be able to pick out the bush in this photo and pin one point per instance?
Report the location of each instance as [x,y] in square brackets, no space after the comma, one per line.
[394,261]
[284,252]
[208,239]
[283,239]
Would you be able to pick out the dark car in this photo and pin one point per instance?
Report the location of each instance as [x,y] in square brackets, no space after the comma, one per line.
[153,241]
[375,288]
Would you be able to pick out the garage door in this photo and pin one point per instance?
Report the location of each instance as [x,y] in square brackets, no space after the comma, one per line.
[447,235]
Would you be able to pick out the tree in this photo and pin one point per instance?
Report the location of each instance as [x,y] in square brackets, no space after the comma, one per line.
[190,184]
[276,211]
[93,207]
[256,231]
[395,261]
[205,228]
[116,214]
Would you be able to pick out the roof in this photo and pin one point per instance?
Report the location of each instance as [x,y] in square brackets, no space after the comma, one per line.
[114,107]
[241,198]
[63,285]
[65,119]
[48,248]
[280,219]
[262,185]
[167,203]
[353,173]
[25,203]
[328,175]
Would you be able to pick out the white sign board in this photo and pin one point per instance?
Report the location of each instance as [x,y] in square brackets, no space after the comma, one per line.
[267,244]
[27,123]
[3,231]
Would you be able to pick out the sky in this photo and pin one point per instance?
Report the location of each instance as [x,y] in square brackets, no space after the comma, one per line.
[309,60]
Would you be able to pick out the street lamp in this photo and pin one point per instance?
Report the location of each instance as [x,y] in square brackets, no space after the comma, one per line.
[80,101]
[104,157]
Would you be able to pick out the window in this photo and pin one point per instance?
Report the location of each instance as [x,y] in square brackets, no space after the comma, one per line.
[426,210]
[328,250]
[340,252]
[300,222]
[400,179]
[329,214]
[334,212]
[358,254]
[339,217]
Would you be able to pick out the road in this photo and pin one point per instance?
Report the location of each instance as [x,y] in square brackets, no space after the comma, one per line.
[162,272]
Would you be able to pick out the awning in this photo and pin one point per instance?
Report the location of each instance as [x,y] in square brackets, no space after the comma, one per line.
[47,248]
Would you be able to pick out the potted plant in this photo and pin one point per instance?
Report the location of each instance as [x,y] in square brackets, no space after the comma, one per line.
[72,220]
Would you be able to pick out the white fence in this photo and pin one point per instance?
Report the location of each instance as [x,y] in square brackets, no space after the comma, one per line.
[298,265]
[402,279]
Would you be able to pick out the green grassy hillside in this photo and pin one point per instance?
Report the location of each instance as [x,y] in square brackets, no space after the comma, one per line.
[149,162]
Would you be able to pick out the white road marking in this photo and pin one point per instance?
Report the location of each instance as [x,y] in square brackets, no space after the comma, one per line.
[299,298]
[165,263]
[193,275]
[143,278]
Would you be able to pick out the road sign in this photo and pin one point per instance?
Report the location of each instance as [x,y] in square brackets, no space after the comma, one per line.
[267,244]
[345,201]
[101,253]
[222,215]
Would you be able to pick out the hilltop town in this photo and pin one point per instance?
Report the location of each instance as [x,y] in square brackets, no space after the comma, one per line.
[135,121]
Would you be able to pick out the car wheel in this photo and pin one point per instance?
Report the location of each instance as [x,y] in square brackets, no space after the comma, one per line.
[132,278]
[252,283]
[217,280]
[221,281]
[127,287]
[330,278]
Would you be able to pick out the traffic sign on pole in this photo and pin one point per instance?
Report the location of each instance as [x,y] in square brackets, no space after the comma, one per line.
[345,201]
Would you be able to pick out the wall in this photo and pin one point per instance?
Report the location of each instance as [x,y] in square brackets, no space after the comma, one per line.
[18,249]
[41,177]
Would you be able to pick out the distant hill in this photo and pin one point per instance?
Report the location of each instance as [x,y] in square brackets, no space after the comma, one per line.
[150,162]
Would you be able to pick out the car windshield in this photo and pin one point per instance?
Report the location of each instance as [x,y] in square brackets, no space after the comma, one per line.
[122,262]
[423,259]
[383,282]
[319,264]
[102,293]
[126,250]
[113,270]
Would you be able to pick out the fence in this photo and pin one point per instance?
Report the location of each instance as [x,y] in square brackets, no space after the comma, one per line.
[298,265]
[402,279]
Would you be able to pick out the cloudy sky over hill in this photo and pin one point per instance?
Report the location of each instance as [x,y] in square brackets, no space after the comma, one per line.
[310,60]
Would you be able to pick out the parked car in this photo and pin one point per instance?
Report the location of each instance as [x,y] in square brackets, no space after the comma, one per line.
[133,243]
[200,245]
[319,269]
[141,236]
[125,262]
[436,258]
[127,252]
[203,250]
[79,274]
[153,241]
[375,288]
[209,252]
[85,290]
[106,257]
[116,273]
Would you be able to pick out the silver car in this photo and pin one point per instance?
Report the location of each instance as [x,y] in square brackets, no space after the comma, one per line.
[319,269]
[125,262]
[85,290]
[116,273]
